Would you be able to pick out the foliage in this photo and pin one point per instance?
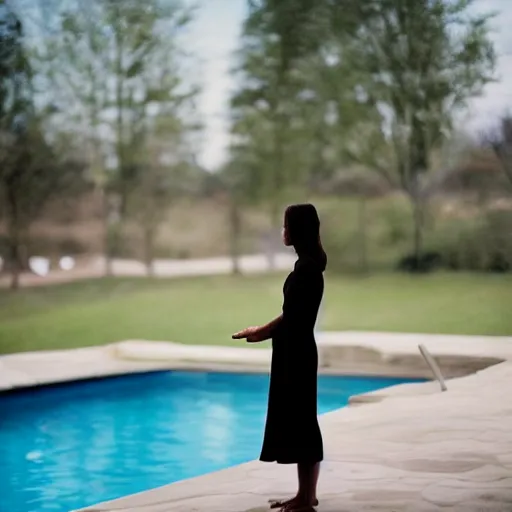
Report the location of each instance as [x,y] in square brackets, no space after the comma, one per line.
[386,233]
[115,63]
[418,84]
[31,172]
[328,84]
[268,117]
[117,67]
[476,244]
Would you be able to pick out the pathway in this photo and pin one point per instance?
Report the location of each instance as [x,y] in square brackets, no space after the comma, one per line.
[249,264]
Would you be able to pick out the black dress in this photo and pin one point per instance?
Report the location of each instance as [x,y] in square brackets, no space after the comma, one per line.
[292,433]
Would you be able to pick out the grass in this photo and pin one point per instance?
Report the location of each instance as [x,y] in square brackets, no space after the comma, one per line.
[207,310]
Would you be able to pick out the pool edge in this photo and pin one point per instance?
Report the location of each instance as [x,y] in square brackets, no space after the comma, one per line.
[369,354]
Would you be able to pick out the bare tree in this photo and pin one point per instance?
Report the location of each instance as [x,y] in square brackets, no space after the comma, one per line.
[500,140]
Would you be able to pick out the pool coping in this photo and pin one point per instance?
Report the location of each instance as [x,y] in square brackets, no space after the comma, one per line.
[345,353]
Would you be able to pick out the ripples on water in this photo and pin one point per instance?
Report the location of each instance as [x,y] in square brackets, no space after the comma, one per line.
[66,447]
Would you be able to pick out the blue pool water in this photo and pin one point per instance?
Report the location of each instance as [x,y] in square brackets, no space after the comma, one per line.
[66,447]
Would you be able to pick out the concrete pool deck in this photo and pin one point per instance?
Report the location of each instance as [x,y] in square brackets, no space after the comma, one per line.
[448,451]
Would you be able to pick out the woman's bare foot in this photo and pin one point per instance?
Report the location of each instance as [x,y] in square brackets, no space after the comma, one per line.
[280,503]
[298,508]
[296,504]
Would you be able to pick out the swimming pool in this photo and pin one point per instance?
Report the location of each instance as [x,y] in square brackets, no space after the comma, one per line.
[69,446]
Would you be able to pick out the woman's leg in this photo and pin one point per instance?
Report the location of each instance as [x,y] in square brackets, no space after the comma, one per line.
[306,496]
[308,480]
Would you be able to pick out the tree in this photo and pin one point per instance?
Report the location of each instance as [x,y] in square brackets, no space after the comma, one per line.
[156,152]
[500,140]
[422,60]
[15,111]
[236,185]
[167,171]
[30,172]
[267,117]
[115,61]
[75,62]
[15,74]
[298,103]
[363,185]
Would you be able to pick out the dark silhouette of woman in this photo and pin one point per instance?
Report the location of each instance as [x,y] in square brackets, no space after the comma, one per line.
[292,433]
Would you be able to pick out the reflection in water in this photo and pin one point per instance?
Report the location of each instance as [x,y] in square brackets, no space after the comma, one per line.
[217,431]
[67,447]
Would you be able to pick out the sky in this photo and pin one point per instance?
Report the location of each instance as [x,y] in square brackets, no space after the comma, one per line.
[214,36]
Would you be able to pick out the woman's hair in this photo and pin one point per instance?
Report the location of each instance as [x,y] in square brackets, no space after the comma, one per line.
[303,230]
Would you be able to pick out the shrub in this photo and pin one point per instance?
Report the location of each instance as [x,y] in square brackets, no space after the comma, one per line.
[482,244]
[385,232]
[397,223]
[426,262]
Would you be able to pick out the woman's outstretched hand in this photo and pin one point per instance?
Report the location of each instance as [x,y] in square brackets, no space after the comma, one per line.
[251,334]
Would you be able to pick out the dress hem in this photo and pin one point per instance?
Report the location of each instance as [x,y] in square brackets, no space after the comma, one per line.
[294,461]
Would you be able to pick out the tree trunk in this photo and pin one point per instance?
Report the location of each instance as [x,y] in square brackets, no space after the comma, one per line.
[275,220]
[15,263]
[418,229]
[362,228]
[119,123]
[236,224]
[15,279]
[417,207]
[17,260]
[149,236]
[107,250]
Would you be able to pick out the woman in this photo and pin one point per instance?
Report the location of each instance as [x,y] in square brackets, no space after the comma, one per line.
[292,434]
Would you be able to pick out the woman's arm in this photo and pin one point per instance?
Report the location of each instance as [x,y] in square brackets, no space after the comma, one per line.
[262,333]
[266,331]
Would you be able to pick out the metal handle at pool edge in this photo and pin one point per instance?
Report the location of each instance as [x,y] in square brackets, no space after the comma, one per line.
[433,366]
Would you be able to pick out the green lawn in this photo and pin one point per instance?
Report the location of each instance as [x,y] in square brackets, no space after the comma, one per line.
[208,310]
